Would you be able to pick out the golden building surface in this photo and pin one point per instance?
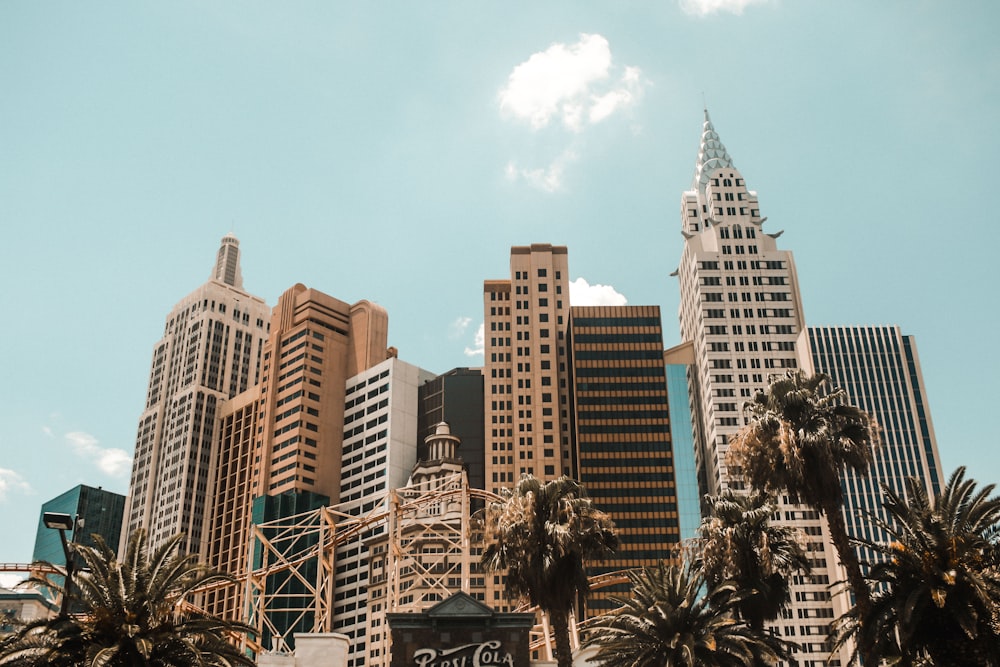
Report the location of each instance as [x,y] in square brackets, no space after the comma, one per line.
[621,434]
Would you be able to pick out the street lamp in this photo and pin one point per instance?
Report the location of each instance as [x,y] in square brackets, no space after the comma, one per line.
[62,523]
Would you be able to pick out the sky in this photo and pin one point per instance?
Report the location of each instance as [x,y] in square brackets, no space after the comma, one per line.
[395,151]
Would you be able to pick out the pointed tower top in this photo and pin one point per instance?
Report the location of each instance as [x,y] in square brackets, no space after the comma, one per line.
[711,155]
[227,264]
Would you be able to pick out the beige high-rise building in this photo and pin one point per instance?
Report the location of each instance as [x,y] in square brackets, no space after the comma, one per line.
[525,371]
[210,351]
[742,312]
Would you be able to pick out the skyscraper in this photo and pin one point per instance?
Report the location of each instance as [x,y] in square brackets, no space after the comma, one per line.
[579,392]
[97,512]
[210,351]
[620,434]
[742,313]
[456,398]
[879,370]
[526,404]
[283,437]
[379,453]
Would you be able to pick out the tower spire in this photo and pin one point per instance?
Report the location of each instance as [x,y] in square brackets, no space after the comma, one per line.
[227,264]
[711,155]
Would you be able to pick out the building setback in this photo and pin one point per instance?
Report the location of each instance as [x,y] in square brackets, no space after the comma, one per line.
[741,311]
[210,351]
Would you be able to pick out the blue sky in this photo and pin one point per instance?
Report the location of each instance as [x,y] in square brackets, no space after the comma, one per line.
[395,151]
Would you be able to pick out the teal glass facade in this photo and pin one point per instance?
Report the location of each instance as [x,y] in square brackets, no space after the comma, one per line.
[682,436]
[99,512]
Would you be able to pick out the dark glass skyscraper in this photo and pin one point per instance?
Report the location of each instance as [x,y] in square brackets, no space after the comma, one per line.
[879,369]
[97,512]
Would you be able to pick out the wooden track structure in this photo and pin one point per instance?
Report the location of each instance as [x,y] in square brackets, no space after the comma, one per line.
[295,557]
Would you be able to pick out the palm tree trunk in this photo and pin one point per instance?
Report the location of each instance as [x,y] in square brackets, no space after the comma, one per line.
[849,559]
[560,627]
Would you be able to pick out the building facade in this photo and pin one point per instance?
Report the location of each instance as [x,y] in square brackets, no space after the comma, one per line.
[679,360]
[579,392]
[456,398]
[526,397]
[284,437]
[620,434]
[97,512]
[878,368]
[379,453]
[741,312]
[210,351]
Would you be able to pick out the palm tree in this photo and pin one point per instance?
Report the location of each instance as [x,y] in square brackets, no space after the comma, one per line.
[937,577]
[542,535]
[130,614]
[671,621]
[797,442]
[740,544]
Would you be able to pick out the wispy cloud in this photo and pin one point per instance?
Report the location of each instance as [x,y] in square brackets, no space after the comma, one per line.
[458,327]
[569,86]
[706,7]
[549,179]
[114,462]
[479,345]
[12,482]
[582,293]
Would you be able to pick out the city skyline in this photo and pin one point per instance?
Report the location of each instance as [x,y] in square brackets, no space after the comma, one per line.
[124,172]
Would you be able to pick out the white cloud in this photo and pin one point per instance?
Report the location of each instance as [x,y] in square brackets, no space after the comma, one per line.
[11,580]
[114,462]
[706,7]
[11,481]
[479,344]
[574,83]
[549,179]
[582,293]
[457,328]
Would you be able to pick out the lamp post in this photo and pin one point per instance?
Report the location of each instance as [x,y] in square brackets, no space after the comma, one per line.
[62,523]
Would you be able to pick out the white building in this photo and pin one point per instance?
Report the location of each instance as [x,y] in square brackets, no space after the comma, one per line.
[379,452]
[742,312]
[210,351]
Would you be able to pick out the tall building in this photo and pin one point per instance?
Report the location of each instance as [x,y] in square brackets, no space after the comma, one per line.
[97,512]
[282,441]
[879,370]
[579,392]
[620,434]
[210,351]
[742,313]
[456,398]
[379,452]
[526,398]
